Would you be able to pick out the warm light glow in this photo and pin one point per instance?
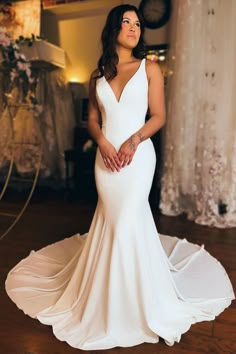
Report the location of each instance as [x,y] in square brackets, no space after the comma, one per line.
[162,58]
[77,76]
[74,79]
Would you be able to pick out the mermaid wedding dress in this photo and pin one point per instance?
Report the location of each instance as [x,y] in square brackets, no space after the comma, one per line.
[121,284]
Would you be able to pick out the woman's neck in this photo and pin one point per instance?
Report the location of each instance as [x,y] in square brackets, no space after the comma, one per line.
[124,55]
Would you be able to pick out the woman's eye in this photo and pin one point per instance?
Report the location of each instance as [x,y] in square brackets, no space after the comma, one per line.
[127,22]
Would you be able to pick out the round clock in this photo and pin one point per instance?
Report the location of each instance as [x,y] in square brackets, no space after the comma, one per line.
[155,12]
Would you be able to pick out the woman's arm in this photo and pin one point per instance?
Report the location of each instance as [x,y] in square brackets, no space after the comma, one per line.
[94,112]
[108,152]
[156,103]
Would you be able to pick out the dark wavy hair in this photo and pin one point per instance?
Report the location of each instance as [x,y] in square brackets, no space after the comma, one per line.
[109,58]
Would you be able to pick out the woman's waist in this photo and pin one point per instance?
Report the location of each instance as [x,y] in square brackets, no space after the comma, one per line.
[118,138]
[119,134]
[121,127]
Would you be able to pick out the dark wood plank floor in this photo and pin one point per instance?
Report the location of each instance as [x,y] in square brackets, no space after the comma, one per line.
[50,218]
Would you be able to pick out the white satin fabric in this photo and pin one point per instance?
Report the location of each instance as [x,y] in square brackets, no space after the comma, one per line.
[120,284]
[199,170]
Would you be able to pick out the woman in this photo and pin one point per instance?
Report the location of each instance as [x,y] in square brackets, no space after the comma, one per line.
[116,286]
[119,64]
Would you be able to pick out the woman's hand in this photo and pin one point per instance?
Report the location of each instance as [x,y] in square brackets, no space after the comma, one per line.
[109,155]
[127,150]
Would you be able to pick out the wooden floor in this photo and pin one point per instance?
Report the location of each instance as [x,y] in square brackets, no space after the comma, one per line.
[51,218]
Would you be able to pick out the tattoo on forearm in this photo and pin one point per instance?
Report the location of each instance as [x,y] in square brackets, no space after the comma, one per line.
[132,144]
[141,137]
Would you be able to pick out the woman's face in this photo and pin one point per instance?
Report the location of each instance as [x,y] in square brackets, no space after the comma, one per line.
[130,31]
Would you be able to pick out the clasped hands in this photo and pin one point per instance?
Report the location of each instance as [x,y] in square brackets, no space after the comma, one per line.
[114,160]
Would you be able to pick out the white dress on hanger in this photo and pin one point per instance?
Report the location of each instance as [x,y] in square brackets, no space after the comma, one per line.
[121,284]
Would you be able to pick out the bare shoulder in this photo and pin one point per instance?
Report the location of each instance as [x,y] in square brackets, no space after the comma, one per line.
[94,75]
[92,82]
[153,70]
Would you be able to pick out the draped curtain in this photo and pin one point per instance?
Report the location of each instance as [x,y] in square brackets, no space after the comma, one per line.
[52,131]
[199,169]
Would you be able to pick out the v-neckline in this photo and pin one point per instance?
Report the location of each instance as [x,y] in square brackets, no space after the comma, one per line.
[127,82]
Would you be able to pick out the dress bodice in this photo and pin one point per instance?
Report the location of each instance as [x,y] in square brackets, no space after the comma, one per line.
[122,118]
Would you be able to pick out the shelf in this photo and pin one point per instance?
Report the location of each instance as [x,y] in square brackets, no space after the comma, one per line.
[43,54]
[83,8]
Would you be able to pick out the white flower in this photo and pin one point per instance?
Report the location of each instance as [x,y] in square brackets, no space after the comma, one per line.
[22,56]
[22,66]
[17,55]
[28,72]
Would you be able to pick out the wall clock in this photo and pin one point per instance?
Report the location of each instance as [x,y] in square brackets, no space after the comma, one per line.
[155,13]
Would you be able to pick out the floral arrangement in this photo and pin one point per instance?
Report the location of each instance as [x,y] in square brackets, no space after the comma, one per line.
[19,68]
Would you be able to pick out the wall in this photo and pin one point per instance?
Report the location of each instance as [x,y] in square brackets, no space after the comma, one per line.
[80,38]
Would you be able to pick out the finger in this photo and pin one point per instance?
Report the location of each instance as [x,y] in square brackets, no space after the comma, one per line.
[117,160]
[119,155]
[129,159]
[116,164]
[105,162]
[110,164]
[122,158]
[126,159]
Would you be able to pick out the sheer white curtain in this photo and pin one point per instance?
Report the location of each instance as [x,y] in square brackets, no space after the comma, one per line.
[199,169]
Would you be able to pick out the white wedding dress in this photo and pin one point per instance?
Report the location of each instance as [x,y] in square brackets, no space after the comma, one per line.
[121,284]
